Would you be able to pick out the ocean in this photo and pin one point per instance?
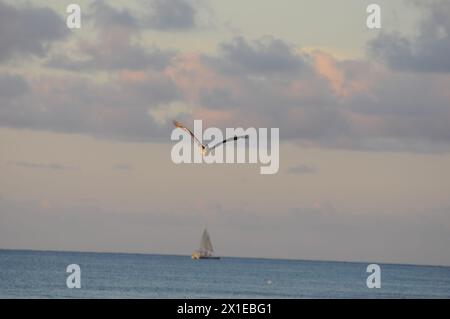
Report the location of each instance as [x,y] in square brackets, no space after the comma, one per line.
[42,274]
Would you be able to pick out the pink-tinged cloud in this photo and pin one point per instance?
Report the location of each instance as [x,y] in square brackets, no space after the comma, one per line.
[193,77]
[214,117]
[326,66]
[303,88]
[346,78]
[130,76]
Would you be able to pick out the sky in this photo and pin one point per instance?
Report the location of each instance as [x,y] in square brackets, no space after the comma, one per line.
[364,119]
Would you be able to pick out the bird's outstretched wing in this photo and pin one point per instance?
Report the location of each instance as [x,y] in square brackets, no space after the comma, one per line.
[179,125]
[235,138]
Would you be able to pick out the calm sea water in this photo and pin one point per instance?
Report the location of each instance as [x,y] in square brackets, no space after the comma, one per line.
[40,274]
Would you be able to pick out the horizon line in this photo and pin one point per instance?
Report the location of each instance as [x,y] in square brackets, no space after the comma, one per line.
[254,257]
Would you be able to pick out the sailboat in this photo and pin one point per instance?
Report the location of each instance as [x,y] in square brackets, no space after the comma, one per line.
[206,248]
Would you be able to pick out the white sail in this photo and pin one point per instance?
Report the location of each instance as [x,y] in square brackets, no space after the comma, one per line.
[205,244]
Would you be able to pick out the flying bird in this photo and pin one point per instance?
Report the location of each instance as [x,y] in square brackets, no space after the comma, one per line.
[205,149]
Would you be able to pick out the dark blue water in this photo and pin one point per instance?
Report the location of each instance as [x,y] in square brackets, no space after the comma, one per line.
[38,274]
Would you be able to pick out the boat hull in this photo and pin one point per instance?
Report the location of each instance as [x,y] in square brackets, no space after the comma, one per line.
[205,257]
[197,255]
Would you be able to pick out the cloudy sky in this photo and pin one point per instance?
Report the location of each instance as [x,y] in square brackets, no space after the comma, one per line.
[364,118]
